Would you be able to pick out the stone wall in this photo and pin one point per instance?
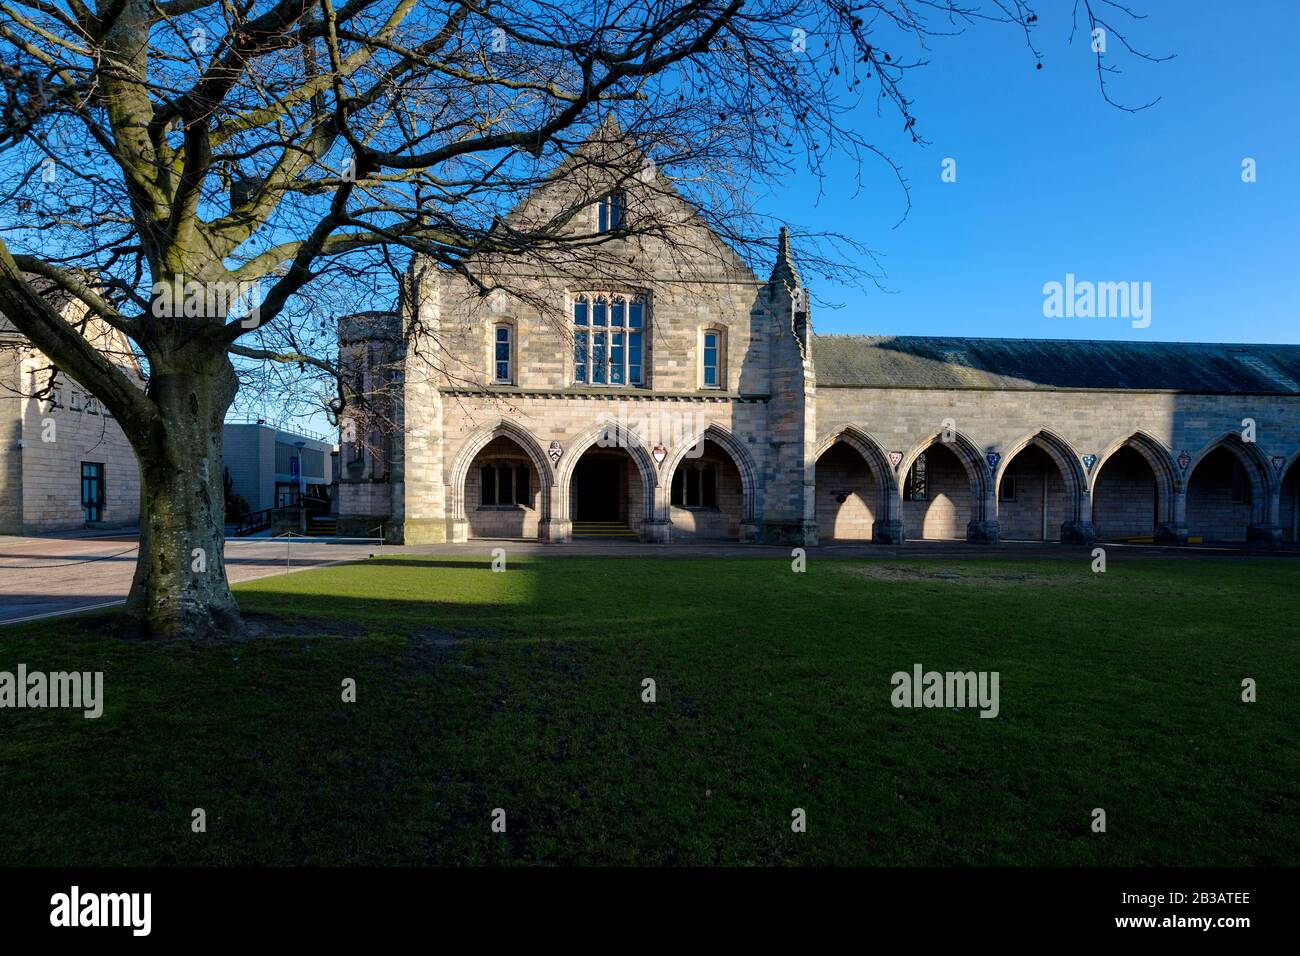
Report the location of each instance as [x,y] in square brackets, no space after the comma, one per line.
[1038,488]
[1074,424]
[946,512]
[722,521]
[11,436]
[83,432]
[1124,501]
[842,473]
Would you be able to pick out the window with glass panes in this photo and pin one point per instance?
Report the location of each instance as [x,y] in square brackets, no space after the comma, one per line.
[92,490]
[916,487]
[504,483]
[695,485]
[608,339]
[712,360]
[502,357]
[609,214]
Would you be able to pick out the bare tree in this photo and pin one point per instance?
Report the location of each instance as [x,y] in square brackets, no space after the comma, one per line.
[217,179]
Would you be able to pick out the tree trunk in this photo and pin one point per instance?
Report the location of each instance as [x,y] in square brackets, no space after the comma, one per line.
[180,588]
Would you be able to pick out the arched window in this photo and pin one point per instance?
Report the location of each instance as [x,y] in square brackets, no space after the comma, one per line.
[609,212]
[608,339]
[503,349]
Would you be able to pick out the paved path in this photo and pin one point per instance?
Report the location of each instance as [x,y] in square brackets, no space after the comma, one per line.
[46,576]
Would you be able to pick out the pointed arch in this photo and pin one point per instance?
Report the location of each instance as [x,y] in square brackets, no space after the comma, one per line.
[865,445]
[476,442]
[613,434]
[886,526]
[1117,514]
[1253,462]
[1158,457]
[1068,463]
[967,453]
[1210,515]
[725,439]
[982,526]
[1058,449]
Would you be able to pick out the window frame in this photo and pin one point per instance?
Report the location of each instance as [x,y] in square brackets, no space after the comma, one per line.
[719,365]
[611,211]
[514,467]
[909,493]
[613,326]
[100,502]
[1003,485]
[511,343]
[695,479]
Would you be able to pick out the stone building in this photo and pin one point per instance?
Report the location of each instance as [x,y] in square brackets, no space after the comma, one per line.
[667,392]
[64,461]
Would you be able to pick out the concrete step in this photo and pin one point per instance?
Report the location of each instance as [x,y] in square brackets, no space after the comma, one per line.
[603,529]
[323,527]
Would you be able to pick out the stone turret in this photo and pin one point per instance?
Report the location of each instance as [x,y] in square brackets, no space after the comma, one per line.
[789,516]
[785,277]
[369,427]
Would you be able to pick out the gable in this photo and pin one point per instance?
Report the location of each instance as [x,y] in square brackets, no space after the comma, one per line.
[676,243]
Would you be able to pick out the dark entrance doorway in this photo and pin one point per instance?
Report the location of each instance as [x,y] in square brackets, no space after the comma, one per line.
[596,483]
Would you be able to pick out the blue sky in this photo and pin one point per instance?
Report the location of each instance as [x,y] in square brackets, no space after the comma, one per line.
[1052,180]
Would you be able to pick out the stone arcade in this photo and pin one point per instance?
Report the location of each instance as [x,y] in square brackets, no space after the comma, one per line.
[533,420]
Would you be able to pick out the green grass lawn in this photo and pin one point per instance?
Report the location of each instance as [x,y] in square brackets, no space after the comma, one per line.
[522,690]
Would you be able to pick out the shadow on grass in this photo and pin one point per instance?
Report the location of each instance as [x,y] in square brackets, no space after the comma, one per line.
[525,691]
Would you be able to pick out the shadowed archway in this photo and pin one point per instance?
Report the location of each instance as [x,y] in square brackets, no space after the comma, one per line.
[1229,493]
[619,470]
[507,444]
[856,489]
[710,487]
[946,490]
[1289,510]
[1134,488]
[1043,491]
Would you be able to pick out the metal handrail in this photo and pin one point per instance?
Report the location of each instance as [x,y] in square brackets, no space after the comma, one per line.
[289,537]
[253,522]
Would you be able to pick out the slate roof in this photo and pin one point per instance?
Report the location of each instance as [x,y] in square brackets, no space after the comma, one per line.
[884,361]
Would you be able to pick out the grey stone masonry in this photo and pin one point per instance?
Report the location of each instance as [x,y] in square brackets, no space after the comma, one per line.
[507,407]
